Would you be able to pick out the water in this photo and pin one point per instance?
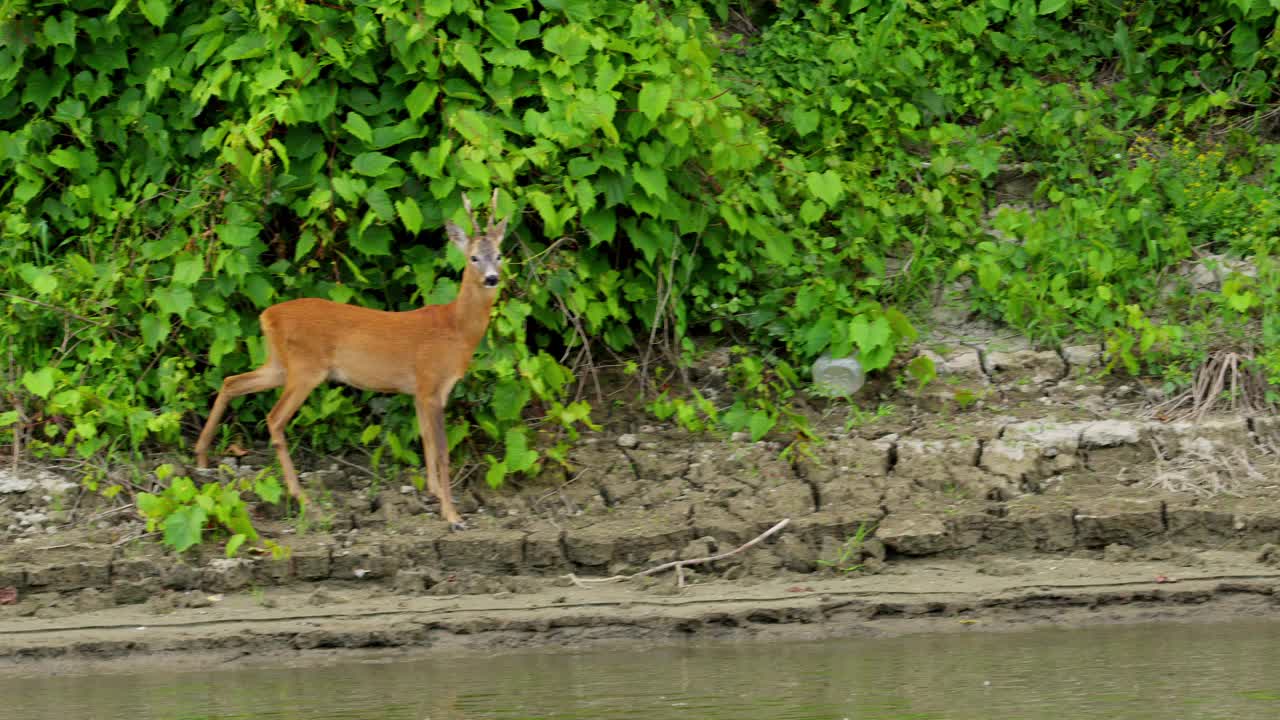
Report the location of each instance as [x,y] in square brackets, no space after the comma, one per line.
[1164,672]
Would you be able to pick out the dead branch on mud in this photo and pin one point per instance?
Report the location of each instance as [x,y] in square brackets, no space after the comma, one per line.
[1203,469]
[679,565]
[1228,373]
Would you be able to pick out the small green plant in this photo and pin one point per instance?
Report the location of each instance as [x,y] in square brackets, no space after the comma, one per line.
[859,417]
[183,511]
[848,557]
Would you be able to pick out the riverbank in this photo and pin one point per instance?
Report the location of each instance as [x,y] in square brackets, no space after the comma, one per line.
[350,621]
[1055,498]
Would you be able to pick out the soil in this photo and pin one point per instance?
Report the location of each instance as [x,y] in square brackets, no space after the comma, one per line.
[1015,491]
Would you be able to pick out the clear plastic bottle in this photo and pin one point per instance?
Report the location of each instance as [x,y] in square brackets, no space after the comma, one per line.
[838,376]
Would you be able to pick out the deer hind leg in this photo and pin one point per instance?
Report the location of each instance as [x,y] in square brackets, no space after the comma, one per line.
[266,377]
[296,389]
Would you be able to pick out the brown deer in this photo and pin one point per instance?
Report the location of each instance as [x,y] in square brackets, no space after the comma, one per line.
[420,352]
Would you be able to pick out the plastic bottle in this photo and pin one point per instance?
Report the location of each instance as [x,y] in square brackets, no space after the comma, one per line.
[838,376]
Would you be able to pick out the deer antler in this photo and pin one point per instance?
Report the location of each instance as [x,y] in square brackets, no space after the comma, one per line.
[493,209]
[466,205]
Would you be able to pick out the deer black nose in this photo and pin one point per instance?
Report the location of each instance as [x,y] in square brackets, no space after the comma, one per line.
[491,281]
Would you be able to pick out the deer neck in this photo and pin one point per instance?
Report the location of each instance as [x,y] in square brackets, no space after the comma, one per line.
[471,307]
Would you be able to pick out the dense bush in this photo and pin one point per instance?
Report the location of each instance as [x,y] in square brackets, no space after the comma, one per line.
[785,176]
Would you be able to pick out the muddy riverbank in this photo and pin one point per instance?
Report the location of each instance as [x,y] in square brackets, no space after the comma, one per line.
[1051,498]
[287,626]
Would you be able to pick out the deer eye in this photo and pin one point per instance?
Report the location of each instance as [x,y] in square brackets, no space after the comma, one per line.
[475,258]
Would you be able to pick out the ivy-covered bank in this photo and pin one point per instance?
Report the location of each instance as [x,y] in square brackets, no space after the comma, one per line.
[788,179]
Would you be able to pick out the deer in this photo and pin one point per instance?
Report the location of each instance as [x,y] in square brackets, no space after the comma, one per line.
[421,352]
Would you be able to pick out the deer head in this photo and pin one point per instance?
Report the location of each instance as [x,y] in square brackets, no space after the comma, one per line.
[483,250]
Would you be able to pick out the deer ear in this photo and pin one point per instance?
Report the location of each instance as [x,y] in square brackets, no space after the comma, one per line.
[457,235]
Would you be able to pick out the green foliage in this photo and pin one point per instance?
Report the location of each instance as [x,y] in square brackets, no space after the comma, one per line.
[183,511]
[1052,153]
[169,170]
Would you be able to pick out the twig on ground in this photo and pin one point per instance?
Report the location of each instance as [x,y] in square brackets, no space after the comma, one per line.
[131,538]
[107,513]
[679,565]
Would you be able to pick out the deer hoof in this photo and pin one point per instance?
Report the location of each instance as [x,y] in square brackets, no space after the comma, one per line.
[458,525]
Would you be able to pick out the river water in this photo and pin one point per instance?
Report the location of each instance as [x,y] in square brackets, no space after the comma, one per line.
[1160,671]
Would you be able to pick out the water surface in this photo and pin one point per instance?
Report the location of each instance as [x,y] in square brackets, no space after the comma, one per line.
[1161,672]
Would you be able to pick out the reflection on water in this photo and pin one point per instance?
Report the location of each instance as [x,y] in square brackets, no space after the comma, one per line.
[1164,672]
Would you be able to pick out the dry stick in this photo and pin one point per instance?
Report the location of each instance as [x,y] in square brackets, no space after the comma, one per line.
[664,294]
[680,564]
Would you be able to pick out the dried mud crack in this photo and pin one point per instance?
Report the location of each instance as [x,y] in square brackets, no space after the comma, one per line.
[920,597]
[1054,509]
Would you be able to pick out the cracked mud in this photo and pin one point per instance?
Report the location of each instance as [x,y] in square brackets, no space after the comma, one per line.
[1054,502]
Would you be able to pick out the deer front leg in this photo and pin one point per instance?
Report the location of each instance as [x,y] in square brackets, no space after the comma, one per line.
[435,447]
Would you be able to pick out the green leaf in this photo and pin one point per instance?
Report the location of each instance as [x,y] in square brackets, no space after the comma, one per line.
[902,327]
[156,11]
[372,164]
[182,489]
[176,300]
[496,474]
[567,41]
[188,270]
[234,543]
[155,328]
[184,527]
[39,382]
[922,370]
[152,506]
[238,236]
[805,121]
[826,186]
[1049,7]
[760,424]
[374,241]
[357,126]
[410,214]
[654,98]
[519,457]
[64,158]
[509,398]
[380,201]
[653,180]
[259,289]
[61,32]
[467,56]
[268,488]
[419,101]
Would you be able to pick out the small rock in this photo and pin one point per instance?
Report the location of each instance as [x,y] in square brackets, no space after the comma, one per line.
[740,436]
[1083,356]
[194,600]
[321,597]
[161,604]
[1110,433]
[1117,552]
[999,568]
[914,534]
[410,582]
[628,440]
[1270,555]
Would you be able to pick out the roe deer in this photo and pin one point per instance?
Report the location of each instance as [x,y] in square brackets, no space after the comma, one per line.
[420,352]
